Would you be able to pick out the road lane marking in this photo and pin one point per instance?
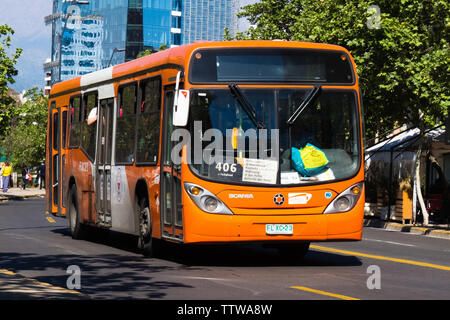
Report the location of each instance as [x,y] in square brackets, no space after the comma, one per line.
[4,271]
[334,295]
[390,242]
[371,256]
[39,283]
[51,220]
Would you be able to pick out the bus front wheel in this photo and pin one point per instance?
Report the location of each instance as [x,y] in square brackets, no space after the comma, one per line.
[76,228]
[145,240]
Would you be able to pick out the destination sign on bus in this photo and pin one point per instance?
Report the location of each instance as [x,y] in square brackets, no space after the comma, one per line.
[270,65]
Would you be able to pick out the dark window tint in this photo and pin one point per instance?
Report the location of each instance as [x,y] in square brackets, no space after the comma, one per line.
[88,132]
[75,122]
[64,129]
[50,129]
[168,107]
[270,65]
[55,130]
[149,122]
[126,125]
[330,123]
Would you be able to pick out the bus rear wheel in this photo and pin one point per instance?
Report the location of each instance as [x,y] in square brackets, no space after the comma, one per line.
[145,240]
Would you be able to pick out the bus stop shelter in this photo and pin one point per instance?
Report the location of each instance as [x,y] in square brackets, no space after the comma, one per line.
[397,166]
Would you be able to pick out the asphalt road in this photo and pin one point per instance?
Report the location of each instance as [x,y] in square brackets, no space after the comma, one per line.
[36,251]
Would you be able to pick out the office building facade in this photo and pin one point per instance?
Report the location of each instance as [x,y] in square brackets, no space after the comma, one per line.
[91,35]
[207,19]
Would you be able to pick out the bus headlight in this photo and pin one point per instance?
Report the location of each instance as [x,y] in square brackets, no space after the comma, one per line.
[346,200]
[342,204]
[205,199]
[210,203]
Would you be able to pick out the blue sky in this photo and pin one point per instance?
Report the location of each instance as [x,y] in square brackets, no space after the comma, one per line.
[26,17]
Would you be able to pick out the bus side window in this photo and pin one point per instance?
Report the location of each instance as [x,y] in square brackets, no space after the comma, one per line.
[148,129]
[64,130]
[88,132]
[75,119]
[126,124]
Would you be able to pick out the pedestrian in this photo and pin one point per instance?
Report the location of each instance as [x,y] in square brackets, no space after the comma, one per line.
[41,172]
[24,176]
[1,175]
[6,173]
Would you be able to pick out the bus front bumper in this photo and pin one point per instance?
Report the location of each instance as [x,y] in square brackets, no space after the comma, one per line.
[204,227]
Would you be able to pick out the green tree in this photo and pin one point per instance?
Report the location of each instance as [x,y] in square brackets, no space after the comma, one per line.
[144,53]
[147,52]
[402,55]
[7,73]
[25,143]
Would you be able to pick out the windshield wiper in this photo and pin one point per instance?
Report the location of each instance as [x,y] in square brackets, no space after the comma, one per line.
[236,92]
[312,95]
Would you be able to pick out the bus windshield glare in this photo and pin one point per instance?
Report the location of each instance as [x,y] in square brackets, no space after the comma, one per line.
[235,150]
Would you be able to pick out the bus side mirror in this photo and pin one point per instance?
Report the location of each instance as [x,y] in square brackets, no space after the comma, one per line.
[180,104]
[181,108]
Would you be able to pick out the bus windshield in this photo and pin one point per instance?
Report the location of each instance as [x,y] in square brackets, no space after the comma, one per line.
[228,146]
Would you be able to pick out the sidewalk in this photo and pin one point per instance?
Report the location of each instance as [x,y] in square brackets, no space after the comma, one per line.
[18,194]
[436,231]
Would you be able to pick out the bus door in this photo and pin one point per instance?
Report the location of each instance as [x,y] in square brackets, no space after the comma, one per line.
[62,190]
[103,162]
[51,172]
[57,151]
[171,207]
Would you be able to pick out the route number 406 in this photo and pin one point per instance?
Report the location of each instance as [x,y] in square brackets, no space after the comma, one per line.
[226,167]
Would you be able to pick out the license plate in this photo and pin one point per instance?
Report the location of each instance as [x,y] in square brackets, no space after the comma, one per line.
[279,229]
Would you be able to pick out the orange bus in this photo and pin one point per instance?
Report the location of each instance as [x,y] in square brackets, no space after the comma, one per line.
[196,144]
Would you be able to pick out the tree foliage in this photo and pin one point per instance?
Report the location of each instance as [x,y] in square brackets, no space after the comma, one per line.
[25,143]
[402,57]
[7,73]
[147,52]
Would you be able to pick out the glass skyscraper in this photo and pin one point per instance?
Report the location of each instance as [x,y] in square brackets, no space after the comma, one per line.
[207,19]
[90,35]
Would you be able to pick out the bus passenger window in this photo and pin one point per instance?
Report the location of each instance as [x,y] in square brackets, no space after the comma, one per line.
[75,119]
[64,129]
[126,125]
[92,117]
[88,132]
[149,119]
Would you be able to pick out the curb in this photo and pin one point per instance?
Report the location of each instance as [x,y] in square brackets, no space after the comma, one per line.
[5,198]
[408,228]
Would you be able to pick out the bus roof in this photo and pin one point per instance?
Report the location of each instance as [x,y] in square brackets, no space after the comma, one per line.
[176,57]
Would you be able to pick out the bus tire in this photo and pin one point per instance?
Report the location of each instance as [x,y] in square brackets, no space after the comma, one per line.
[76,228]
[293,252]
[145,240]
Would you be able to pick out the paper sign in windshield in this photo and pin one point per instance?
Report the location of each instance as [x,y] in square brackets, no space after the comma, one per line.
[260,171]
[290,178]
